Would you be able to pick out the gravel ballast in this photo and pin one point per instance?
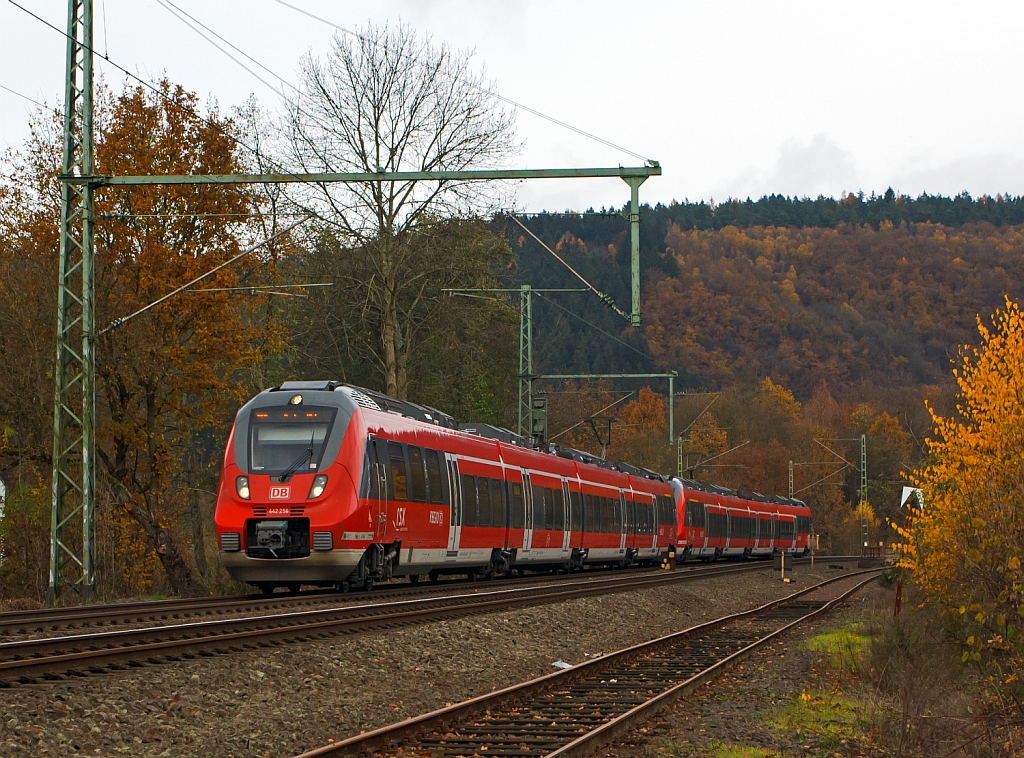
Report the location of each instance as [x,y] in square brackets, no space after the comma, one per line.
[280,701]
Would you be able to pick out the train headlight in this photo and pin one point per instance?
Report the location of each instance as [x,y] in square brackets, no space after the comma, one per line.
[242,487]
[319,483]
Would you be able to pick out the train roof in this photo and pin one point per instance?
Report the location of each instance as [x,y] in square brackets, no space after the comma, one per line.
[377,401]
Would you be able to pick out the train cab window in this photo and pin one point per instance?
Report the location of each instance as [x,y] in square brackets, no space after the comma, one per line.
[575,511]
[483,490]
[399,477]
[417,475]
[433,459]
[518,506]
[469,514]
[282,439]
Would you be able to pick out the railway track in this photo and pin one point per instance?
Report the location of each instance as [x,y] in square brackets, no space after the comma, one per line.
[30,659]
[50,621]
[578,711]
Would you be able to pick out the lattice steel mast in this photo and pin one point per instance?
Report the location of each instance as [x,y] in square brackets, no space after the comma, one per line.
[72,515]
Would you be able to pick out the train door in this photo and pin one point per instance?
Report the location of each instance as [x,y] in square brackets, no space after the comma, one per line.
[455,521]
[622,521]
[528,504]
[379,506]
[376,487]
[566,517]
[652,521]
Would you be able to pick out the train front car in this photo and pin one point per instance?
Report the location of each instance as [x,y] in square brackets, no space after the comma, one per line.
[288,489]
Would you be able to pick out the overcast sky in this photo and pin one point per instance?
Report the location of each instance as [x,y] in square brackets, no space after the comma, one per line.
[733,98]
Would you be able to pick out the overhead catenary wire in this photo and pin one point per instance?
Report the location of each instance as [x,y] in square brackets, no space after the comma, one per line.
[190,112]
[125,319]
[580,423]
[23,97]
[191,22]
[487,91]
[826,477]
[606,299]
[591,325]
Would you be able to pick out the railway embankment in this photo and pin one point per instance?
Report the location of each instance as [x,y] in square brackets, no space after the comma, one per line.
[281,700]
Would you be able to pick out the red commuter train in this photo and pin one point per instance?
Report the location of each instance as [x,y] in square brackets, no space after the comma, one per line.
[333,485]
[718,522]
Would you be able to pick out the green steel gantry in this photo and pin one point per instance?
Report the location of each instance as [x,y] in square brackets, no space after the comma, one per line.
[72,516]
[72,522]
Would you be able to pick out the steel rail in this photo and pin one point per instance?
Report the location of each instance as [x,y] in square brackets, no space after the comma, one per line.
[34,658]
[20,623]
[34,622]
[492,714]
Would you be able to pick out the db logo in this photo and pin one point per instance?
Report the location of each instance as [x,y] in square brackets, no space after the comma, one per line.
[280,493]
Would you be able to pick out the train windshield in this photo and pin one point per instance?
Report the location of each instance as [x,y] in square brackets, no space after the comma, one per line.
[288,439]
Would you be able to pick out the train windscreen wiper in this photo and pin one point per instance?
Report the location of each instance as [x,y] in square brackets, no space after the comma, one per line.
[307,454]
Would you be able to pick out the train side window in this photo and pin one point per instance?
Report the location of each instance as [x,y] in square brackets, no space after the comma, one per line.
[434,475]
[417,475]
[399,477]
[499,511]
[557,509]
[575,511]
[483,489]
[589,515]
[540,508]
[368,483]
[469,514]
[518,506]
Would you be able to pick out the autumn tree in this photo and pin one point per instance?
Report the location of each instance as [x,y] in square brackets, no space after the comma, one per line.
[388,100]
[966,546]
[459,351]
[171,378]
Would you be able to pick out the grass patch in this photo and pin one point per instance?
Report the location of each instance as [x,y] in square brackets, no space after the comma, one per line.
[845,646]
[830,720]
[713,749]
[726,750]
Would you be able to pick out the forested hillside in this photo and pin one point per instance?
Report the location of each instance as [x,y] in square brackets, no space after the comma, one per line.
[845,306]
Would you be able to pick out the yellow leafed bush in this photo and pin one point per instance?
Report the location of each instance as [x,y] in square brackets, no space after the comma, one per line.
[965,546]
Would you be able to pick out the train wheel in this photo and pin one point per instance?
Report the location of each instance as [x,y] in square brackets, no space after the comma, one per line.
[434,577]
[293,587]
[266,588]
[414,578]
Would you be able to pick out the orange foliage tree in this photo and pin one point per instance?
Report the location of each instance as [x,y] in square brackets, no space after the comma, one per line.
[170,379]
[966,546]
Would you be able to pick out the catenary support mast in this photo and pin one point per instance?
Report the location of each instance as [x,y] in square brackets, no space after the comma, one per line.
[72,517]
